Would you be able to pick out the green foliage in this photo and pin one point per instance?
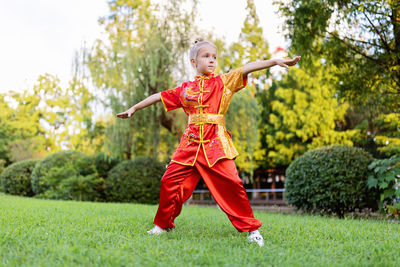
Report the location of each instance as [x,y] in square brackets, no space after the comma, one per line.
[2,165]
[53,108]
[330,180]
[104,164]
[361,38]
[85,135]
[21,136]
[378,132]
[78,187]
[136,180]
[387,137]
[38,121]
[66,175]
[358,37]
[385,177]
[302,112]
[16,178]
[5,127]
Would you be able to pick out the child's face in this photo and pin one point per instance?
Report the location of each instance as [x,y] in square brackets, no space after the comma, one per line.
[206,60]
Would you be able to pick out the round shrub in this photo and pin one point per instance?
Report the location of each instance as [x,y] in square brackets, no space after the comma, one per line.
[104,164]
[16,178]
[56,176]
[78,187]
[136,180]
[331,180]
[2,164]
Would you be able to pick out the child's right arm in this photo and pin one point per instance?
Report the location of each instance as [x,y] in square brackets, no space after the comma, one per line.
[142,104]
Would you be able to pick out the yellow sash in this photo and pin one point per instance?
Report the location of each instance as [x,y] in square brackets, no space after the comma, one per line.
[206,119]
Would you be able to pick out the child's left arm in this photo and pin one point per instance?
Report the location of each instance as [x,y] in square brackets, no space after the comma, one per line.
[259,65]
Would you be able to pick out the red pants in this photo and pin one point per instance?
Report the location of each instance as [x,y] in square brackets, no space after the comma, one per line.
[222,180]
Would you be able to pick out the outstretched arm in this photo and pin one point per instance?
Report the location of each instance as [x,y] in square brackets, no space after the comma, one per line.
[259,65]
[142,104]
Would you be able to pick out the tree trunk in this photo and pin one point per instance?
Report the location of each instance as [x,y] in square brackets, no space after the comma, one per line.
[168,123]
[395,19]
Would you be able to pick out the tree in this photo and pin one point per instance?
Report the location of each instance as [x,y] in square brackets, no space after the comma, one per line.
[140,57]
[52,104]
[5,128]
[361,38]
[384,141]
[303,112]
[87,127]
[21,133]
[44,119]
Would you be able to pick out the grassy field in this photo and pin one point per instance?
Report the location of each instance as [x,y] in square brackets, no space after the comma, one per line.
[65,233]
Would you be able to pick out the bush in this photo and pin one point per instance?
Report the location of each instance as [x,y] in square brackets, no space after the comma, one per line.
[16,178]
[104,164]
[2,164]
[385,176]
[331,180]
[135,181]
[67,175]
[83,188]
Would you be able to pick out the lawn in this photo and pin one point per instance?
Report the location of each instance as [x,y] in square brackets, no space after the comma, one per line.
[37,232]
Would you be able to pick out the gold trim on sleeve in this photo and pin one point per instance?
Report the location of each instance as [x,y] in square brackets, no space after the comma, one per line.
[162,100]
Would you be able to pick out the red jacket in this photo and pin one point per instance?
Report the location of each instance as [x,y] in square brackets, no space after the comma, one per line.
[205,100]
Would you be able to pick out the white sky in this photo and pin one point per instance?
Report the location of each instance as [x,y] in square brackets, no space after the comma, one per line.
[41,36]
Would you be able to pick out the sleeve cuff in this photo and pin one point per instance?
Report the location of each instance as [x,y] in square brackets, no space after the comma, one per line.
[244,78]
[162,100]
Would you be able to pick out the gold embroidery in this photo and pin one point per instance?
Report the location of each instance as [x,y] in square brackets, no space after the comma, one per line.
[189,92]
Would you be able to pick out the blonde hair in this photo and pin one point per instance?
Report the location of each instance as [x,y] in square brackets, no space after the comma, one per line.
[199,42]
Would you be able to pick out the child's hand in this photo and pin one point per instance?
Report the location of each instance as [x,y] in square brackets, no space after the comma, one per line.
[287,62]
[126,114]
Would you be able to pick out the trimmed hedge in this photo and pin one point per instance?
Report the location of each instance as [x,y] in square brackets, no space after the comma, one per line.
[67,175]
[136,180]
[331,180]
[16,178]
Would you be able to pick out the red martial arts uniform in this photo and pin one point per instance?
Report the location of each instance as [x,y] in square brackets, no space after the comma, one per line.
[205,150]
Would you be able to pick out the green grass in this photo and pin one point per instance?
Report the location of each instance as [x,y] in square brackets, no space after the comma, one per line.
[37,232]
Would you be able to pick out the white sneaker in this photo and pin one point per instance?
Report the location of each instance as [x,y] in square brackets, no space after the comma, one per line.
[156,230]
[256,237]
